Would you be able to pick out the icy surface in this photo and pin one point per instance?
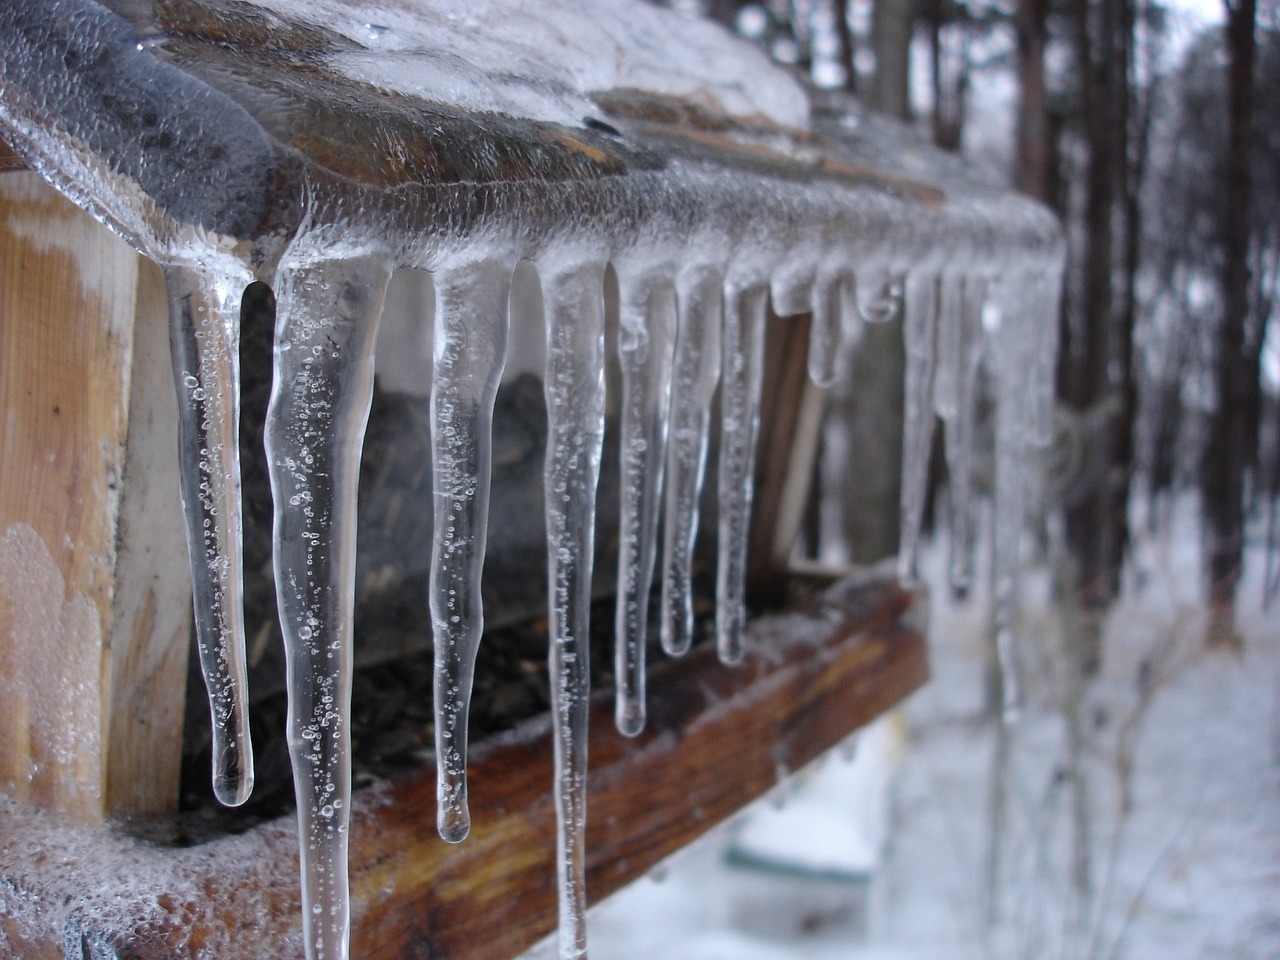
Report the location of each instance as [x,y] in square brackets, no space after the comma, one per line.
[542,60]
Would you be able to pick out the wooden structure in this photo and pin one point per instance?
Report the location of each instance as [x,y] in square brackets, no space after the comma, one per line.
[94,607]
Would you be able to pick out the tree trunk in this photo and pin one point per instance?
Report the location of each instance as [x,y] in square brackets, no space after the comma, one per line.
[848,45]
[1036,147]
[1223,482]
[892,24]
[1098,343]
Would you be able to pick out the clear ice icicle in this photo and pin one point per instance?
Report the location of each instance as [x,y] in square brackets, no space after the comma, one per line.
[204,330]
[961,427]
[876,296]
[743,369]
[1014,368]
[326,322]
[826,330]
[920,323]
[574,386]
[470,351]
[1045,292]
[700,295]
[647,322]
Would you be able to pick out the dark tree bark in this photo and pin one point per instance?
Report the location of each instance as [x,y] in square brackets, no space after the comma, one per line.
[1036,154]
[949,69]
[848,51]
[1097,354]
[1227,452]
[892,25]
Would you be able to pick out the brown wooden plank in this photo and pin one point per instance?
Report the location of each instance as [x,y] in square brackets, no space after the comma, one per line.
[790,420]
[718,738]
[92,635]
[10,161]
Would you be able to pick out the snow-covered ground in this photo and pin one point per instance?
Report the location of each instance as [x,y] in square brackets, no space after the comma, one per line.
[1187,867]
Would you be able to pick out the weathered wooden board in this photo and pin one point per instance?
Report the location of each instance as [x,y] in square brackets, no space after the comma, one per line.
[717,739]
[92,608]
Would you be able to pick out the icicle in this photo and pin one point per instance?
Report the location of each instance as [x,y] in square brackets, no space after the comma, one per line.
[949,362]
[743,363]
[791,291]
[696,374]
[647,330]
[204,326]
[326,322]
[574,385]
[961,426]
[920,323]
[470,350]
[826,330]
[1045,301]
[876,296]
[1010,342]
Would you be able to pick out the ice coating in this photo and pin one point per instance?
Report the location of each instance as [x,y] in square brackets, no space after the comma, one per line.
[204,311]
[326,325]
[355,144]
[700,295]
[574,304]
[470,350]
[827,328]
[542,61]
[960,415]
[1014,367]
[646,337]
[741,380]
[920,330]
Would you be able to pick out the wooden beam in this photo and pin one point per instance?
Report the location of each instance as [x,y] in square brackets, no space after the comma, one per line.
[92,609]
[717,739]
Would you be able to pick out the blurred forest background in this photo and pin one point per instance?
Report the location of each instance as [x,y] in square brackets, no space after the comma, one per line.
[1153,130]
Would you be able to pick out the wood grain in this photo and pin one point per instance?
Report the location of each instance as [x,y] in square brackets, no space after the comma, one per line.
[69,300]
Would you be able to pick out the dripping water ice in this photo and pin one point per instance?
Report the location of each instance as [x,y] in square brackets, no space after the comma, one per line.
[742,367]
[647,320]
[574,304]
[700,297]
[470,350]
[326,325]
[204,309]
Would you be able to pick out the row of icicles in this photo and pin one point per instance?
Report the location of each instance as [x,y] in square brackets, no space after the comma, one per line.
[681,335]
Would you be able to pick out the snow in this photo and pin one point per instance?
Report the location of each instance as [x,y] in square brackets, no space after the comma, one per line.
[1189,872]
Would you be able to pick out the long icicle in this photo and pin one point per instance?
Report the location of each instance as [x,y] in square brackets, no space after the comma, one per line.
[700,295]
[1012,341]
[574,386]
[826,329]
[960,432]
[743,369]
[326,322]
[920,324]
[470,351]
[204,331]
[647,326]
